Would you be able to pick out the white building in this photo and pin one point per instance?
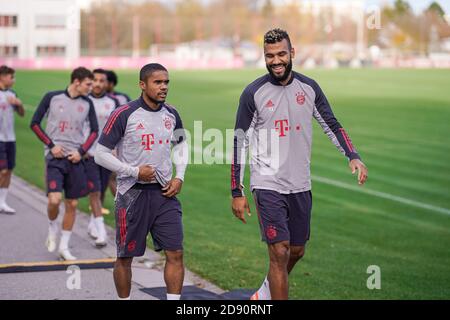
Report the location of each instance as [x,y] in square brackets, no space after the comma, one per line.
[31,29]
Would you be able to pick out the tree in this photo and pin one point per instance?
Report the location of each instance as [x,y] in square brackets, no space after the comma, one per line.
[436,8]
[402,7]
[267,9]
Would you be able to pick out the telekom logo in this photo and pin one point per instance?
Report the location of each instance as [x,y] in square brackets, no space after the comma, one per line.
[282,126]
[63,125]
[147,141]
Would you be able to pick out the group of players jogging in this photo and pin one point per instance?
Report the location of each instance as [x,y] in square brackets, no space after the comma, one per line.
[96,138]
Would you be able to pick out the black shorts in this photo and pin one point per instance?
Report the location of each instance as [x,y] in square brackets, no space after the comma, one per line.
[7,155]
[284,217]
[97,176]
[63,175]
[143,210]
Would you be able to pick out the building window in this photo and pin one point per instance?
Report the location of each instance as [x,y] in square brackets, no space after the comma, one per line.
[9,51]
[8,21]
[50,21]
[50,51]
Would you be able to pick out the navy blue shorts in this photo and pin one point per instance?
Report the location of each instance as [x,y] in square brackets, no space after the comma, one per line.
[63,175]
[284,217]
[7,155]
[105,174]
[97,176]
[143,210]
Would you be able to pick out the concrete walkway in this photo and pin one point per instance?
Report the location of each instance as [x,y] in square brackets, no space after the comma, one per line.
[22,238]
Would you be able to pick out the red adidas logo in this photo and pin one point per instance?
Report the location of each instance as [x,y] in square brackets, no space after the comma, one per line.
[140,127]
[269,104]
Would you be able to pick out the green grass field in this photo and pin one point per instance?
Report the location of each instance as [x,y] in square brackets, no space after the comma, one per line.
[399,120]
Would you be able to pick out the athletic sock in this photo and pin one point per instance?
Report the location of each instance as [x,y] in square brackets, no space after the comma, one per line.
[264,291]
[171,296]
[65,237]
[52,227]
[100,226]
[127,298]
[3,194]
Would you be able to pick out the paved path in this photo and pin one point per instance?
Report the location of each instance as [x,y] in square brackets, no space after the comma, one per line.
[22,238]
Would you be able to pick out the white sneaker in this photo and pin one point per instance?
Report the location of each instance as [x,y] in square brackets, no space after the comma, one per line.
[100,242]
[7,209]
[50,243]
[262,293]
[66,255]
[101,239]
[92,230]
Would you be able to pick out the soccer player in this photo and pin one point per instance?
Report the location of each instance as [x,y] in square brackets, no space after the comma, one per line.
[97,176]
[281,104]
[143,131]
[9,103]
[65,144]
[112,83]
[123,98]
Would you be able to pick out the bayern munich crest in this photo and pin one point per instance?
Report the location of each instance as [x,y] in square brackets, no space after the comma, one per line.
[301,98]
[168,123]
[271,232]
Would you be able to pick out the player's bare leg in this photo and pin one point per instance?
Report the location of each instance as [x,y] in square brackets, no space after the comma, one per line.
[278,275]
[5,178]
[174,273]
[122,277]
[295,254]
[68,222]
[96,207]
[112,184]
[102,197]
[70,213]
[54,200]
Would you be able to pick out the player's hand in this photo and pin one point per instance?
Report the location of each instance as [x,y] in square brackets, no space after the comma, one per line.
[57,152]
[14,101]
[239,205]
[358,165]
[172,188]
[146,173]
[74,156]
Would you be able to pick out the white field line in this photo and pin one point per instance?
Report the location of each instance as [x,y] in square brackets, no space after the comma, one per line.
[383,195]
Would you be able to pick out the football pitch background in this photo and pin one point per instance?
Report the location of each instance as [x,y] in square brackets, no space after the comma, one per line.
[399,121]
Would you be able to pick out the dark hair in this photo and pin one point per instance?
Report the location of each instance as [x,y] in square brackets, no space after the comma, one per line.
[277,35]
[80,74]
[148,69]
[6,70]
[99,70]
[112,77]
